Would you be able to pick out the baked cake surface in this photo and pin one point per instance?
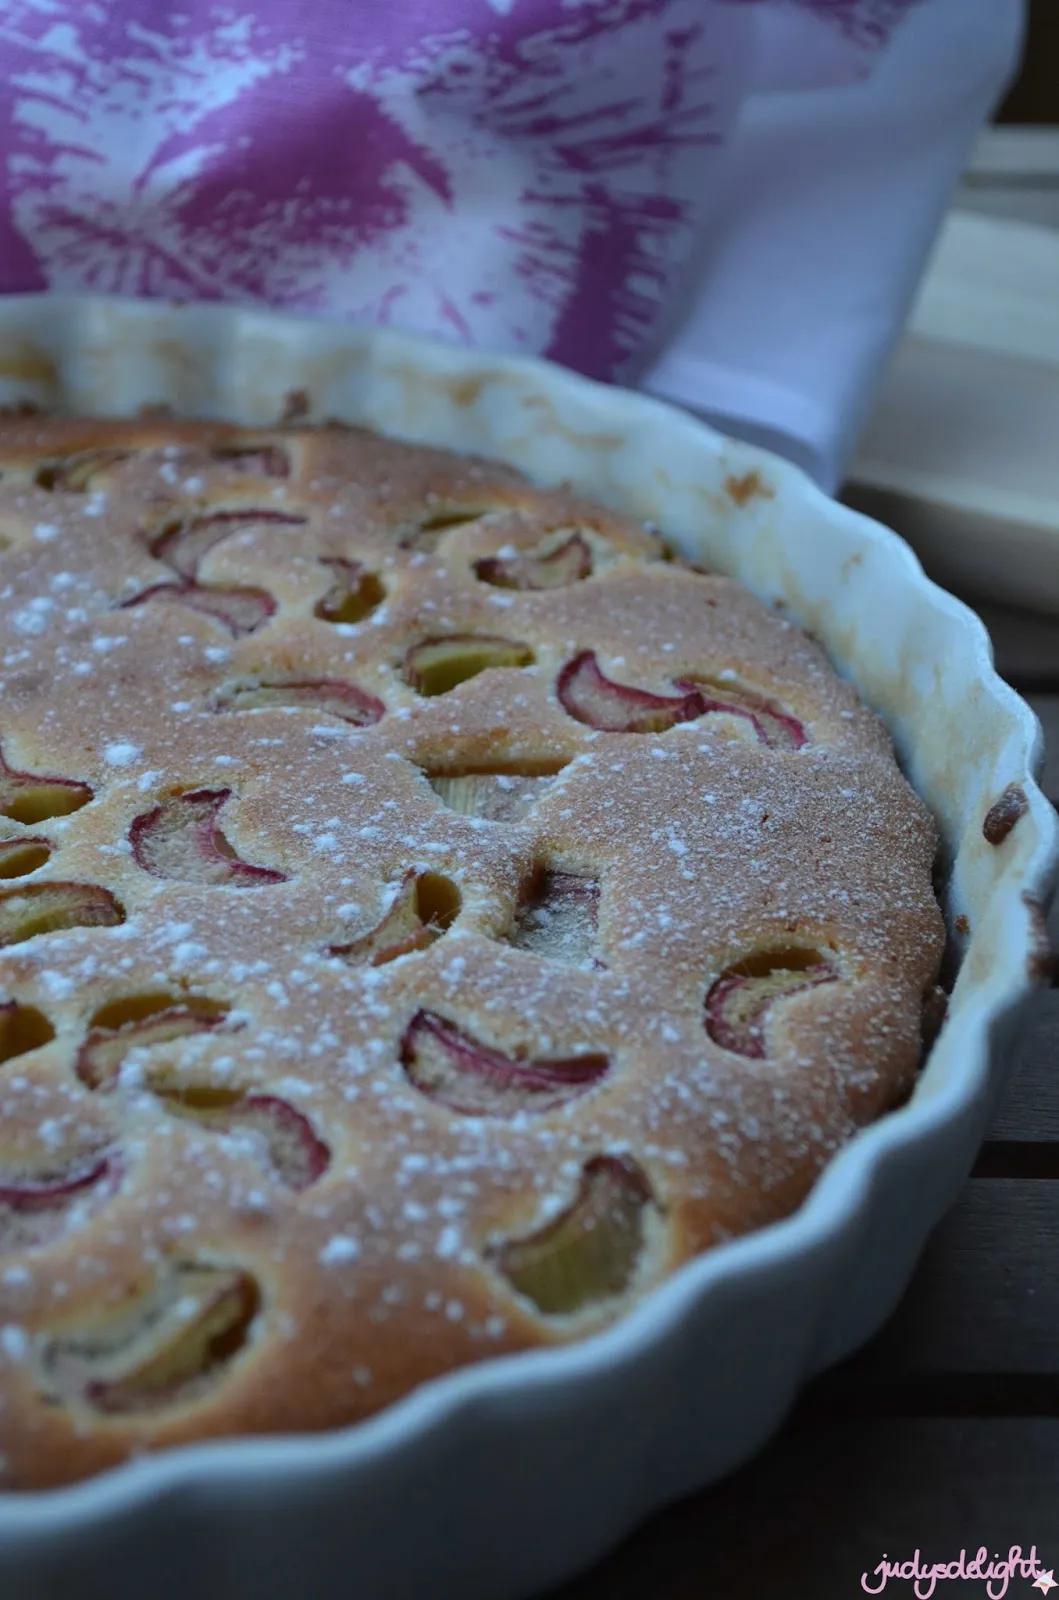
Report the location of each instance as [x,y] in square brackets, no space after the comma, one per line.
[429,915]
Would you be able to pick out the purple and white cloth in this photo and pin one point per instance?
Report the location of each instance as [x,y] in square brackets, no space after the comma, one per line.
[726,201]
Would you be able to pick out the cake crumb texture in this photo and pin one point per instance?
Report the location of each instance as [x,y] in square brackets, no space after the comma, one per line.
[429,914]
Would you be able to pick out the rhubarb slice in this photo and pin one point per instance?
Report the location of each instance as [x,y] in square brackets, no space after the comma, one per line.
[40,1192]
[52,907]
[162,1350]
[353,595]
[75,473]
[434,523]
[442,517]
[327,696]
[740,1002]
[240,610]
[504,792]
[587,694]
[451,1066]
[774,727]
[558,918]
[425,906]
[256,460]
[592,1249]
[20,857]
[137,1023]
[22,1028]
[32,1205]
[181,839]
[293,1150]
[539,568]
[27,797]
[185,543]
[437,665]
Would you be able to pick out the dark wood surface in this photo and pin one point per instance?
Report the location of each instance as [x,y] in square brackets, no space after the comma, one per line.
[944,1431]
[1034,96]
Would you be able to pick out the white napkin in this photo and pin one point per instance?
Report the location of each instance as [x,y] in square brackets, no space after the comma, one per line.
[832,199]
[729,200]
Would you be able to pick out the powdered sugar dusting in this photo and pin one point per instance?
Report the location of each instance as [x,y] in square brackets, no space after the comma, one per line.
[235,1112]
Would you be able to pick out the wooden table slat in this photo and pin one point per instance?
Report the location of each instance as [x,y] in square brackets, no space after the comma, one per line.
[1029,1109]
[828,1499]
[985,1298]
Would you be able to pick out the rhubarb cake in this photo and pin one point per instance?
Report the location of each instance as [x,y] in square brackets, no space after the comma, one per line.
[431,914]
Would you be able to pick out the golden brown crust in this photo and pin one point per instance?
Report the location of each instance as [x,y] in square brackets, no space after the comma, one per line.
[371,1217]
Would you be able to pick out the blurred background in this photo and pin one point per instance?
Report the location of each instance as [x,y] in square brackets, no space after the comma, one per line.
[1034,97]
[959,454]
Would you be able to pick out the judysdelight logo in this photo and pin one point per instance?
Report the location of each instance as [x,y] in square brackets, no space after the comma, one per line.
[995,1571]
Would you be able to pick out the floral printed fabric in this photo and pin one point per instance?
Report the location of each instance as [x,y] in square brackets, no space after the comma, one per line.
[526,174]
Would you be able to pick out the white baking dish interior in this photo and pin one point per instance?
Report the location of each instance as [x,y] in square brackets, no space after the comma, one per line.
[504,1477]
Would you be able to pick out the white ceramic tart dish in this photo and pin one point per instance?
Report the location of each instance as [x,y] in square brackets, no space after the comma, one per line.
[501,1477]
